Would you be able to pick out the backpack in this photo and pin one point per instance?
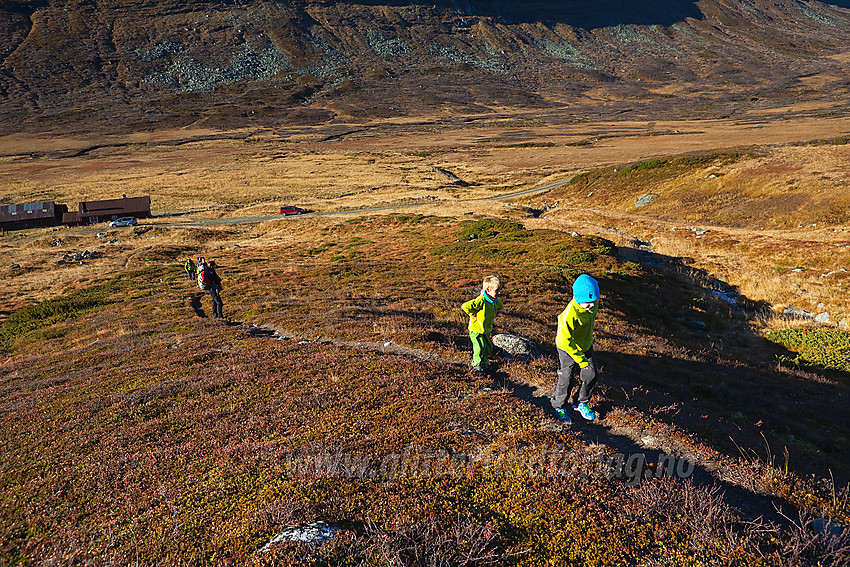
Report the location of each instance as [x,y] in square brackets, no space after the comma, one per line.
[205,279]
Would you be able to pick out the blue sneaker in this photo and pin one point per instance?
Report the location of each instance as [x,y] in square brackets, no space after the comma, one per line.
[562,416]
[585,412]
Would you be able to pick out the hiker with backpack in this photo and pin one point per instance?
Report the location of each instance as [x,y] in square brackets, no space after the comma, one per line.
[574,341]
[191,269]
[482,310]
[208,280]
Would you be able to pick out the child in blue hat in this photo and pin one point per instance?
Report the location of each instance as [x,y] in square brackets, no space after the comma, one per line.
[575,349]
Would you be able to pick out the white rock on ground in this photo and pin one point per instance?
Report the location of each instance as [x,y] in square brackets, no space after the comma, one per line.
[316,533]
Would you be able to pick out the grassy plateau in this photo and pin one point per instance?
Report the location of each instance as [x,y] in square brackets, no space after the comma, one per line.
[137,430]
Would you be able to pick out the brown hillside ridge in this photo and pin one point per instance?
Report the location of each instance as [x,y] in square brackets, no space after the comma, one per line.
[78,65]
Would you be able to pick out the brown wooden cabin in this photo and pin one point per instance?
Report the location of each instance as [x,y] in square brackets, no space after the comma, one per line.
[31,215]
[91,212]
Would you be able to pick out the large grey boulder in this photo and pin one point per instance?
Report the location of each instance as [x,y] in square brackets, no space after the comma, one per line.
[517,346]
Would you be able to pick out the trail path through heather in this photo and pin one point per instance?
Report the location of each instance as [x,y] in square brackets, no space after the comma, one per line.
[627,441]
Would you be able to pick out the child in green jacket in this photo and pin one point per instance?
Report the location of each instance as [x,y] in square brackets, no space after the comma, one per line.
[575,349]
[482,310]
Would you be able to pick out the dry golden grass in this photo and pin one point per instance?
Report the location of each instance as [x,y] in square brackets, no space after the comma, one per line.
[804,269]
[394,164]
[769,273]
[790,187]
[385,161]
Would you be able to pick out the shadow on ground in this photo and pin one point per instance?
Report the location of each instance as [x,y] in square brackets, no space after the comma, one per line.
[633,466]
[737,401]
[582,13]
[195,300]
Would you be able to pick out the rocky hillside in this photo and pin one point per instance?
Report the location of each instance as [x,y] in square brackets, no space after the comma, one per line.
[72,65]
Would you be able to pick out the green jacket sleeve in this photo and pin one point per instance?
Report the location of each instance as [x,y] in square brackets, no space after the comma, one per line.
[575,332]
[473,306]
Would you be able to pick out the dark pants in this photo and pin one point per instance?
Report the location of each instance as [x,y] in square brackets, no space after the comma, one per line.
[569,374]
[217,305]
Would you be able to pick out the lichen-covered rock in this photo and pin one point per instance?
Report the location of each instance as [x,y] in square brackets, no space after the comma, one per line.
[517,346]
[316,533]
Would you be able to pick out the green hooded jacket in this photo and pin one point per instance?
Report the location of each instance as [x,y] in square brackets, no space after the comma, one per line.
[575,331]
[481,313]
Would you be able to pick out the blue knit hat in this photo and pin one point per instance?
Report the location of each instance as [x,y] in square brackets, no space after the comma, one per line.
[585,289]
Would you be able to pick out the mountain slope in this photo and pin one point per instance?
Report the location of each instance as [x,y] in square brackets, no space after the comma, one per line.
[137,430]
[81,64]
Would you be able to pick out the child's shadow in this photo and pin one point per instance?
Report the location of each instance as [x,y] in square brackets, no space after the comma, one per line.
[769,508]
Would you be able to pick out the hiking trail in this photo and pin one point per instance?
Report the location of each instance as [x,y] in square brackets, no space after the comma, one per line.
[707,473]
